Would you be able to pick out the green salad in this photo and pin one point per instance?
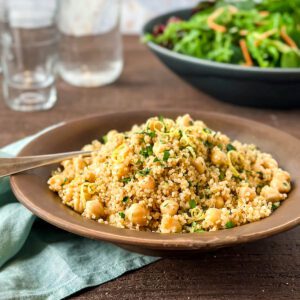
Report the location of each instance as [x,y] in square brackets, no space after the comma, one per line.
[251,33]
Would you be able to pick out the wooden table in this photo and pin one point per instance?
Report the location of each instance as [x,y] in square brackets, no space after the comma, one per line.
[267,269]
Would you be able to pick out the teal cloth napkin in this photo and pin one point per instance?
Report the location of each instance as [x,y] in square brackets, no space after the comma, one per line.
[40,261]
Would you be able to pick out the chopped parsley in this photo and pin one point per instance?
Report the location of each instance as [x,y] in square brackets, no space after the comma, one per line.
[230,147]
[139,162]
[229,225]
[208,144]
[222,175]
[126,179]
[166,155]
[122,215]
[150,133]
[156,159]
[192,203]
[146,152]
[65,181]
[180,133]
[144,172]
[161,118]
[125,199]
[261,175]
[274,207]
[207,130]
[104,139]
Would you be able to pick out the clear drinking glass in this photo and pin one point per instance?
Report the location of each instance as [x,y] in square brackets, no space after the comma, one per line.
[90,48]
[29,52]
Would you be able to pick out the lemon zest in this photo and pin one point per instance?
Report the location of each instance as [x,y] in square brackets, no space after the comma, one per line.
[231,166]
[118,157]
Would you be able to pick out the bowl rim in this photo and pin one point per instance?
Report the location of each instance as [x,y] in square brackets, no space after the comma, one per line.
[152,240]
[206,62]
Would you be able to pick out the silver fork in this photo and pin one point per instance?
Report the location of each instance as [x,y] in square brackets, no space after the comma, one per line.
[13,165]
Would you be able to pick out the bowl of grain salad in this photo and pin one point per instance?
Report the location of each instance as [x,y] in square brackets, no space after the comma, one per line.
[167,181]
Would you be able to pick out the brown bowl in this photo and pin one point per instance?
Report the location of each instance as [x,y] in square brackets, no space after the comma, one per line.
[31,188]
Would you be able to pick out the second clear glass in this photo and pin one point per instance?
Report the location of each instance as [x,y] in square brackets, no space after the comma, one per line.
[90,49]
[29,42]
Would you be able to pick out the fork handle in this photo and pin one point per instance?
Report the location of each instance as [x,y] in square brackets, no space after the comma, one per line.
[10,166]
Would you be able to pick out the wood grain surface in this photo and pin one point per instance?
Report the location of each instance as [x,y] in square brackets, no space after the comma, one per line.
[268,269]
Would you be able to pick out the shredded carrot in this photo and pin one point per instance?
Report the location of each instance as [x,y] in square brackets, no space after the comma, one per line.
[264,13]
[287,38]
[265,35]
[246,54]
[211,20]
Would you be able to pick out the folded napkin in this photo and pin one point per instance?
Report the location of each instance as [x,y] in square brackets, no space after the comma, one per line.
[40,261]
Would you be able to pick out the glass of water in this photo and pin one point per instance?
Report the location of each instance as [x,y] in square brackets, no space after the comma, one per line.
[29,53]
[90,48]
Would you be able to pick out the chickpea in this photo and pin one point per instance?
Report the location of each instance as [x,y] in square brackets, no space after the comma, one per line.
[281,181]
[170,224]
[213,215]
[199,164]
[281,186]
[121,170]
[79,164]
[218,157]
[269,163]
[55,183]
[68,195]
[148,183]
[169,207]
[247,193]
[94,209]
[271,194]
[219,202]
[282,175]
[90,176]
[78,205]
[137,214]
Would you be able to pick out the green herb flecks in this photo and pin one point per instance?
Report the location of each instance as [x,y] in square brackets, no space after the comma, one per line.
[208,144]
[192,203]
[275,206]
[222,175]
[122,215]
[146,152]
[125,199]
[230,147]
[126,179]
[161,118]
[145,172]
[104,139]
[166,155]
[229,225]
[207,130]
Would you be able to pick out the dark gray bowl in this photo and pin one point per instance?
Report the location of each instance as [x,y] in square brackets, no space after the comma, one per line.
[249,86]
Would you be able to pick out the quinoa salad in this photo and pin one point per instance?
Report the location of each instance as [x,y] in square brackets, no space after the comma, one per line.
[171,176]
